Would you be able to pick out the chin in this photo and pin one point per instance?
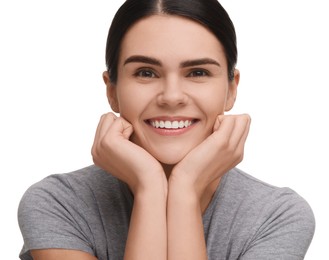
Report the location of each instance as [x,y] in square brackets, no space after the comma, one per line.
[170,157]
[168,152]
[168,164]
[171,161]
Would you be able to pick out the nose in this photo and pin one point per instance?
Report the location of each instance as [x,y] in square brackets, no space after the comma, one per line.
[172,94]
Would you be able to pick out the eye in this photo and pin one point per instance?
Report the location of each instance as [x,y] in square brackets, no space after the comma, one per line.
[145,73]
[198,73]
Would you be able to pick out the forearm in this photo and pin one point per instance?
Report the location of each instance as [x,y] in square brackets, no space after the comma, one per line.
[147,237]
[185,227]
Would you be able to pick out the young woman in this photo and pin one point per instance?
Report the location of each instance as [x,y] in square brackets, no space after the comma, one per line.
[164,184]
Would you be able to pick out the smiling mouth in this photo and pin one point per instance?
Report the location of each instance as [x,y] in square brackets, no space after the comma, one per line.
[167,124]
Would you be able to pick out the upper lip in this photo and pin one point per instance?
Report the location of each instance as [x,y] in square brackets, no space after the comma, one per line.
[170,118]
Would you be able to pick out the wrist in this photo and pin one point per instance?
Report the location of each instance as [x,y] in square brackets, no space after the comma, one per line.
[194,193]
[185,183]
[155,187]
[183,194]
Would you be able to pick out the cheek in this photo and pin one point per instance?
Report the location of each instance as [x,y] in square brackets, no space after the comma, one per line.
[127,95]
[213,102]
[132,102]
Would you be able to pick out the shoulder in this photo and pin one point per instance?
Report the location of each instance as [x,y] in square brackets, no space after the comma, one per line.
[67,210]
[82,185]
[274,220]
[263,195]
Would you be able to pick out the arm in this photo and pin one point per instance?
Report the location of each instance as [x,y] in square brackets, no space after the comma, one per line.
[193,182]
[185,227]
[147,235]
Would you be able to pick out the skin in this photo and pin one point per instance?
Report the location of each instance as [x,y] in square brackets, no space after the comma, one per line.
[172,173]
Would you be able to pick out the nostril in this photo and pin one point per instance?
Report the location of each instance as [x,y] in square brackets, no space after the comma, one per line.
[172,98]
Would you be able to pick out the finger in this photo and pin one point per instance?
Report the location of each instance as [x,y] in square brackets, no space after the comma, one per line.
[244,136]
[218,121]
[240,131]
[238,138]
[100,132]
[97,134]
[226,126]
[122,127]
[106,121]
[231,134]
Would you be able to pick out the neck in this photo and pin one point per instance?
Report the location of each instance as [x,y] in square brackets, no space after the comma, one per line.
[167,168]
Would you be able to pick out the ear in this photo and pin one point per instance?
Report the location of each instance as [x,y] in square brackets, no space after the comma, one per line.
[111,92]
[232,91]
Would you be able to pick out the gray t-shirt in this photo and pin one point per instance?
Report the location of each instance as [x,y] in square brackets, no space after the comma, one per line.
[89,210]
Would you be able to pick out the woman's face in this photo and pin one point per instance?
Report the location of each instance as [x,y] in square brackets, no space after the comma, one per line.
[172,84]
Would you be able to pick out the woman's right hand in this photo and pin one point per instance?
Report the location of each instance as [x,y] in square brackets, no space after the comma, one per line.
[115,153]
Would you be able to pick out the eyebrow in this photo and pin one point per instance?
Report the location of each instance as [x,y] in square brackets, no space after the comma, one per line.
[142,59]
[184,64]
[197,62]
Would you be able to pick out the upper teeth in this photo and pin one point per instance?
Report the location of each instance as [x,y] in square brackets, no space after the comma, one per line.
[171,124]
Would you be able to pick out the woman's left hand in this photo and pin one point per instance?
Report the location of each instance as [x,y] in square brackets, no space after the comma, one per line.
[211,159]
[193,181]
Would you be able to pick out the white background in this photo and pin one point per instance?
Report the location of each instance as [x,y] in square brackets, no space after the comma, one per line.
[52,95]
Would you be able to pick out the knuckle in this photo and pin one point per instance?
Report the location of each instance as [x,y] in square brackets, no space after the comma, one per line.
[231,149]
[94,153]
[108,116]
[103,144]
[239,155]
[247,117]
[103,117]
[225,144]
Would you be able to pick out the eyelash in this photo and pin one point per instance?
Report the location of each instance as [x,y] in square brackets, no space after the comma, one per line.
[141,73]
[197,72]
[149,73]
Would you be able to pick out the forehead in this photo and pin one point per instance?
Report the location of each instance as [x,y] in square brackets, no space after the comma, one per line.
[165,36]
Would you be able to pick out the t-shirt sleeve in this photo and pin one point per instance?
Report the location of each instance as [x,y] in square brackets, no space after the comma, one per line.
[285,232]
[50,215]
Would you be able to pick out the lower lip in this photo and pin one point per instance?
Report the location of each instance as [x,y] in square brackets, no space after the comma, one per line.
[172,132]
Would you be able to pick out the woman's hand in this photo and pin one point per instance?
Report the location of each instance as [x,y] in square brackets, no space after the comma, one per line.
[191,185]
[220,152]
[114,152]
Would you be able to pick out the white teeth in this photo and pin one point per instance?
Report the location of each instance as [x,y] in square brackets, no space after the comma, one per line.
[175,124]
[171,124]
